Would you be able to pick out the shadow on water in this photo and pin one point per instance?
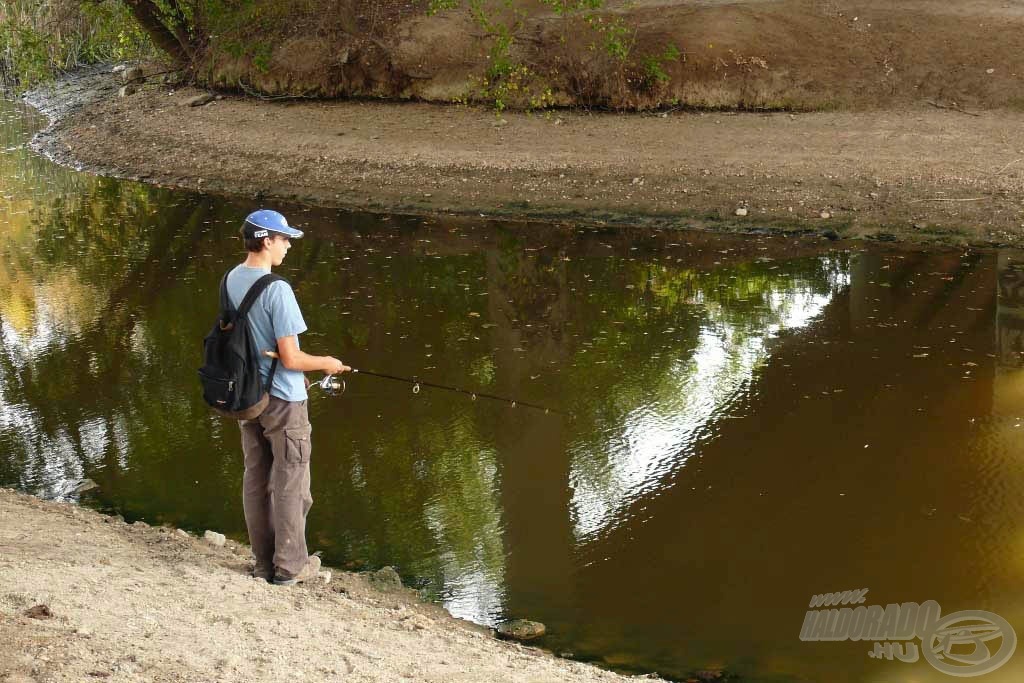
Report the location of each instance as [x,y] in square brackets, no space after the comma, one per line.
[754,420]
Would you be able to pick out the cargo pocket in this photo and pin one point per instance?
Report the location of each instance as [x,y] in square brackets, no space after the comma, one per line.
[297,445]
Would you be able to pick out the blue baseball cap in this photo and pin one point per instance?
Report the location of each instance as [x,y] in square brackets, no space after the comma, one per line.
[264,223]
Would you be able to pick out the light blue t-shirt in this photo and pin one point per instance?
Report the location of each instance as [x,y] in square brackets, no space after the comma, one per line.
[275,314]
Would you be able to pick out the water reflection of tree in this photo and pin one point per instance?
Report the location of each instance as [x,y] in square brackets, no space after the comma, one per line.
[871,405]
[610,334]
[25,179]
[411,482]
[678,355]
[111,241]
[462,495]
[23,173]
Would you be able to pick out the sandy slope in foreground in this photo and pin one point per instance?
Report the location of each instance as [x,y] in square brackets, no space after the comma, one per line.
[135,603]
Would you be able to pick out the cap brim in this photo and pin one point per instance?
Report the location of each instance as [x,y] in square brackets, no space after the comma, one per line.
[289,232]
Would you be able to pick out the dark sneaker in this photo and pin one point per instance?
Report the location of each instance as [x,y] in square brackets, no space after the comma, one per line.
[263,571]
[307,573]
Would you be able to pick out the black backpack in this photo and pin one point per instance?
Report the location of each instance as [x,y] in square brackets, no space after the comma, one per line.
[230,376]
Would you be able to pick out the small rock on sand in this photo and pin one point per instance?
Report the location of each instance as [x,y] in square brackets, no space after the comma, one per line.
[386,580]
[200,100]
[39,612]
[85,485]
[213,538]
[521,629]
[133,74]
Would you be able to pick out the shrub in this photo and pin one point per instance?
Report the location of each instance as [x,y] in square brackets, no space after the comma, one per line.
[594,55]
[42,39]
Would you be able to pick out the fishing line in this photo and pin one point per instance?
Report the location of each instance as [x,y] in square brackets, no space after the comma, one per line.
[334,386]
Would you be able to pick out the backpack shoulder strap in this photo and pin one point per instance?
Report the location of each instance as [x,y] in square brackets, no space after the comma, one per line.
[250,298]
[225,301]
[255,291]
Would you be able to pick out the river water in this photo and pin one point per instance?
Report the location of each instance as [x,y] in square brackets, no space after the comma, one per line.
[752,420]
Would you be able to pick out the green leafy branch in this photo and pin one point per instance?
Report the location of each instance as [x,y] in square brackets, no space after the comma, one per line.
[507,79]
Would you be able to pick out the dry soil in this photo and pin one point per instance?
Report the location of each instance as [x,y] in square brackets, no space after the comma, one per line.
[133,603]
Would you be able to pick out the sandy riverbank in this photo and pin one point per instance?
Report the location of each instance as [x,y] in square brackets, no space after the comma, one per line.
[138,603]
[926,174]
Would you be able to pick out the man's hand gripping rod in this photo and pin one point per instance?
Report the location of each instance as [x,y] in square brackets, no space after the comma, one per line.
[330,384]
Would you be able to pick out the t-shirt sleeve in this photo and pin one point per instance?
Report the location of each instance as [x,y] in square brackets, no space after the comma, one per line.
[285,315]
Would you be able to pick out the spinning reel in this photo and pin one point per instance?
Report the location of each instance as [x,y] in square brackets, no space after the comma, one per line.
[332,386]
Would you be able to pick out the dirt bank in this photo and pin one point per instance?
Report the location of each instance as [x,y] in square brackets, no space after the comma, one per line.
[923,174]
[139,603]
[754,54]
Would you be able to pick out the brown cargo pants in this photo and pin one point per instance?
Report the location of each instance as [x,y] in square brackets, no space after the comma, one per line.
[275,488]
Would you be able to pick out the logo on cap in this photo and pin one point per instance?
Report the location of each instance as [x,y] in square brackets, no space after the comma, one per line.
[261,233]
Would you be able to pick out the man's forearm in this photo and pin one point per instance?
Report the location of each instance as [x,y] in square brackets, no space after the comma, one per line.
[304,362]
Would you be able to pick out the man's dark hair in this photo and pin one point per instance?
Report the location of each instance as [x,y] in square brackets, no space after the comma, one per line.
[253,244]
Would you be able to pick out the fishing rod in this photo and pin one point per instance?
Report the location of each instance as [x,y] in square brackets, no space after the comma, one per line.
[333,386]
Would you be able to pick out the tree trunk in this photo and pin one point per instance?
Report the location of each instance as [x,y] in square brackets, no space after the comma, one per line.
[180,29]
[148,16]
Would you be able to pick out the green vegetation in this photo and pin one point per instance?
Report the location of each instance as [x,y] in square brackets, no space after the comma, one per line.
[589,38]
[41,39]
[654,65]
[588,56]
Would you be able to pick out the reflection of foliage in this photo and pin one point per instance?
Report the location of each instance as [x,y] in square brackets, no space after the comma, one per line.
[482,370]
[422,496]
[98,255]
[748,294]
[464,513]
[23,173]
[413,481]
[698,335]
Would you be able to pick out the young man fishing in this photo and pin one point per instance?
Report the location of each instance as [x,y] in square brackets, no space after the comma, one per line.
[275,490]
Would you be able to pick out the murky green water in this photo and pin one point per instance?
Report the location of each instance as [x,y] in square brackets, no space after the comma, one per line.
[754,420]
